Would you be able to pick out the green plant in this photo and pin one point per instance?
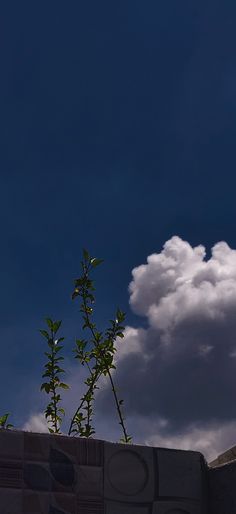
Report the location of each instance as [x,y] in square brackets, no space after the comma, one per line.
[52,370]
[3,420]
[102,353]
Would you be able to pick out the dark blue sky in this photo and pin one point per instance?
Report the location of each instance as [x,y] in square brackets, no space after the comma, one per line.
[118,125]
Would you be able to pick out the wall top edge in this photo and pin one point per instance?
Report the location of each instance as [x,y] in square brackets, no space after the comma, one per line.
[46,434]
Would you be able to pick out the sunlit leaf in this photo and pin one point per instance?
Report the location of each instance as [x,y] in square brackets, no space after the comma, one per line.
[95,262]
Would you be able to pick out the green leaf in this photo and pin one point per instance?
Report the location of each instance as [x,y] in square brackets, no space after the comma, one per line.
[59,370]
[3,419]
[61,410]
[48,355]
[95,262]
[45,334]
[57,348]
[49,410]
[98,335]
[79,282]
[45,386]
[60,339]
[81,343]
[51,343]
[56,326]
[49,366]
[49,323]
[75,293]
[46,374]
[64,386]
[120,315]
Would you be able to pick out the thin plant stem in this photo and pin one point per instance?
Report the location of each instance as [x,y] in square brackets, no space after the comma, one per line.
[85,285]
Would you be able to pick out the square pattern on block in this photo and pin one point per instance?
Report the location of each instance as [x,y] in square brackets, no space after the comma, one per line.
[89,482]
[180,473]
[35,502]
[129,473]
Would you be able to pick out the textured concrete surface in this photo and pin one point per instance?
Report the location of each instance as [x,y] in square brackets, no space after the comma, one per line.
[224,457]
[53,474]
[222,489]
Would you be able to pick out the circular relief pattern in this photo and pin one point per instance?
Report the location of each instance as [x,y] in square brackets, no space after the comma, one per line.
[127,472]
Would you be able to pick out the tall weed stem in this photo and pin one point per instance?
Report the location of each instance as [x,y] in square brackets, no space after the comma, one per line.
[103,351]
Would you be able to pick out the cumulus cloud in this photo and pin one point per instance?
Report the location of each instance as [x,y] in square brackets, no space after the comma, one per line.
[177,377]
[36,423]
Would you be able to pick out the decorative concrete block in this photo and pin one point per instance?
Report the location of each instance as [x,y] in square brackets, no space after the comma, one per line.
[180,474]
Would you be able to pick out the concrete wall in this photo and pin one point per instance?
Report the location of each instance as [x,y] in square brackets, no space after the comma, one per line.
[222,488]
[54,474]
[227,456]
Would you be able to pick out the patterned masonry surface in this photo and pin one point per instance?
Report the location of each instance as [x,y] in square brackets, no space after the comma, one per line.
[54,474]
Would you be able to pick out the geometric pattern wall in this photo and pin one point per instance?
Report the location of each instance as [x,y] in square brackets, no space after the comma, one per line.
[55,474]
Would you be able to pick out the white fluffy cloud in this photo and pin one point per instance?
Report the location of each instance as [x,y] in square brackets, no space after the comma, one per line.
[177,377]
